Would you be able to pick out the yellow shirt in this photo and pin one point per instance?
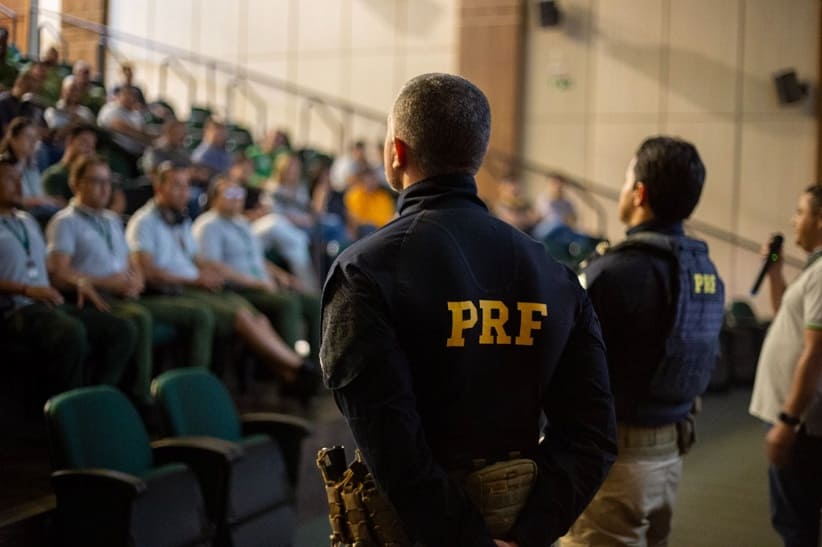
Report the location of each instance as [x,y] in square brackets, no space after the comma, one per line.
[369,207]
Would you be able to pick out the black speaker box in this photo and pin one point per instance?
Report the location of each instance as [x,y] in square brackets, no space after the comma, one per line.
[788,87]
[549,14]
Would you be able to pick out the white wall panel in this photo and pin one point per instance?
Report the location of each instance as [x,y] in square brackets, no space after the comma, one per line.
[702,53]
[628,34]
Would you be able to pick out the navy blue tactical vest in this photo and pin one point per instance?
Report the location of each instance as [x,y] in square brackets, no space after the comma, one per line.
[692,345]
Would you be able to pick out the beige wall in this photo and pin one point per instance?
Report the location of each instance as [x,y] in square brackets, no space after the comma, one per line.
[358,50]
[700,69]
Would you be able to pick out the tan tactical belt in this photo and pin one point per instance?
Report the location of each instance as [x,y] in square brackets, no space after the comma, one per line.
[361,517]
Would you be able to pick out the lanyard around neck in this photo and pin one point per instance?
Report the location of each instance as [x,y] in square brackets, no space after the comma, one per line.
[248,238]
[100,225]
[20,232]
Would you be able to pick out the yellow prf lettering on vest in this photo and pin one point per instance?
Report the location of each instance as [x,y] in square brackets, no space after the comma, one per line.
[459,321]
[704,283]
[494,316]
[527,322]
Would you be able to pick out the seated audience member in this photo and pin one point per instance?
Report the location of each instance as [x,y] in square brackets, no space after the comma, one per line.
[8,60]
[241,173]
[127,72]
[34,314]
[128,127]
[211,152]
[53,78]
[513,207]
[87,241]
[291,199]
[290,193]
[223,235]
[80,142]
[275,232]
[160,240]
[18,101]
[554,208]
[169,147]
[264,155]
[91,96]
[19,144]
[325,200]
[68,111]
[348,164]
[368,203]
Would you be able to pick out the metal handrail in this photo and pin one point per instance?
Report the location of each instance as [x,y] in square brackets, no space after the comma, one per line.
[584,190]
[179,69]
[56,34]
[251,96]
[219,65]
[337,126]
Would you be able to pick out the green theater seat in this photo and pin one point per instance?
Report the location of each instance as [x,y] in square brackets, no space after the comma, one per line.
[255,479]
[162,334]
[113,489]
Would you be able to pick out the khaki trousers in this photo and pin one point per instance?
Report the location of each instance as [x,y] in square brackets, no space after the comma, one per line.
[635,504]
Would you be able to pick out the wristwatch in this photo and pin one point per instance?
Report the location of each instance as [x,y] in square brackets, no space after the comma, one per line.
[789,419]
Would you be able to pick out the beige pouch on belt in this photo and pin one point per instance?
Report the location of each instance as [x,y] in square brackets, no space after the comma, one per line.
[499,492]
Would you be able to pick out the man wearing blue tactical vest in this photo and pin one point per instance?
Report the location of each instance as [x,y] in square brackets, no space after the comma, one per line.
[445,335]
[660,302]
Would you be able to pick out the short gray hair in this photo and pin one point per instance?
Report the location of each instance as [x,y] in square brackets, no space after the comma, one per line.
[446,122]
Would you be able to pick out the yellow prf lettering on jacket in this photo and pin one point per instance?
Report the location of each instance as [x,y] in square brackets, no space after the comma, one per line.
[494,316]
[704,283]
[492,321]
[459,321]
[527,322]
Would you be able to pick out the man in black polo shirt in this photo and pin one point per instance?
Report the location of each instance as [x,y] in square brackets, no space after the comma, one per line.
[660,303]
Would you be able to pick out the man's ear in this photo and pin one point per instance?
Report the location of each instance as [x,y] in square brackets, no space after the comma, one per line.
[640,194]
[400,154]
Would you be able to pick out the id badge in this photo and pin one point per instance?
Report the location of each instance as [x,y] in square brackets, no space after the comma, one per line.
[31,269]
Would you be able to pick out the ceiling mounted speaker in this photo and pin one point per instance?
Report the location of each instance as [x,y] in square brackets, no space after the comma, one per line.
[549,14]
[788,87]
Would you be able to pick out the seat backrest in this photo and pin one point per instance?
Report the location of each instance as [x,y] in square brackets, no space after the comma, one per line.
[742,309]
[97,427]
[194,402]
[740,314]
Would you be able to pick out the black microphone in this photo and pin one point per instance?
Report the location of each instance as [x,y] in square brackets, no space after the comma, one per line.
[774,248]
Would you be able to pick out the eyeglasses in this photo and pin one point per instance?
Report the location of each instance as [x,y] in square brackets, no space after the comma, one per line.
[234,192]
[97,181]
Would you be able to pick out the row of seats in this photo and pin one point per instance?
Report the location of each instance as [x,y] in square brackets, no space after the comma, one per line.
[216,479]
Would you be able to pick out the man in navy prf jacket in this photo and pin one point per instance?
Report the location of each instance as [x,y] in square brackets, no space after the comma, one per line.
[447,332]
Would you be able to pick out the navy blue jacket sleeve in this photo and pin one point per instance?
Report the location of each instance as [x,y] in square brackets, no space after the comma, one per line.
[371,381]
[579,444]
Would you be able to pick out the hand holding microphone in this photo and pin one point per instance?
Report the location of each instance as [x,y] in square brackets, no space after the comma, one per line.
[772,255]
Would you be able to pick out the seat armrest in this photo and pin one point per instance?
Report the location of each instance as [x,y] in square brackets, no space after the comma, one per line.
[211,459]
[180,449]
[288,431]
[97,482]
[275,425]
[94,506]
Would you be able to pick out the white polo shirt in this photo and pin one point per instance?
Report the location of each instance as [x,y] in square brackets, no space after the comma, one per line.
[801,309]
